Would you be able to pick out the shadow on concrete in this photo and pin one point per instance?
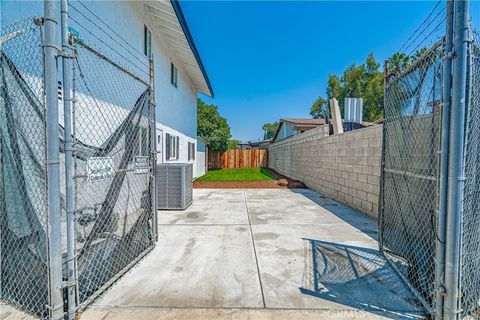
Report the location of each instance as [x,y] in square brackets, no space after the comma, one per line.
[357,277]
[358,220]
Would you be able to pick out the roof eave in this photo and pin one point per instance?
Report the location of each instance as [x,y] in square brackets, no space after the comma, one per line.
[183,23]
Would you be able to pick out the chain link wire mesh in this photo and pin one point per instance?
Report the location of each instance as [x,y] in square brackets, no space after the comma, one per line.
[413,101]
[470,245]
[23,179]
[113,184]
[113,189]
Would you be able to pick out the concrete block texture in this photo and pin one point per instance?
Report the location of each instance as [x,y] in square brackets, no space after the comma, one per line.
[345,166]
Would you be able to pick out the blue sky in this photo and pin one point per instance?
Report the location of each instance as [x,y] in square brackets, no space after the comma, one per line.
[270,60]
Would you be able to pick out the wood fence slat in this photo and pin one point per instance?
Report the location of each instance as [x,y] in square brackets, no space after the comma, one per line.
[237,159]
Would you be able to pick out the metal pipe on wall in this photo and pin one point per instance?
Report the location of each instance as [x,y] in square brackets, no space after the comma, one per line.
[69,188]
[53,162]
[456,163]
[442,213]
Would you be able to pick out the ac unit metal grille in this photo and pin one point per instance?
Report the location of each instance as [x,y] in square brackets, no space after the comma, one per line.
[174,186]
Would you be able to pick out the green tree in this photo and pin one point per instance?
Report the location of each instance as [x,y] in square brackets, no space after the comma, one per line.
[334,87]
[212,126]
[398,62]
[232,144]
[357,81]
[269,130]
[319,109]
[374,89]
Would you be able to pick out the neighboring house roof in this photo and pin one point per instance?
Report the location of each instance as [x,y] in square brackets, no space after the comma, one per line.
[306,124]
[168,18]
[202,139]
[302,122]
[299,124]
[261,143]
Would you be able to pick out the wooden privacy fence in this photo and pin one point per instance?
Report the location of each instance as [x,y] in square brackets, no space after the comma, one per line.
[237,159]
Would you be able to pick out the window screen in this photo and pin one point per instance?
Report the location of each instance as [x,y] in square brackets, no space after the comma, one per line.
[173,75]
[147,42]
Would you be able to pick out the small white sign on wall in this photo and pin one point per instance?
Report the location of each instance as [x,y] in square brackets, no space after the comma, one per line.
[99,168]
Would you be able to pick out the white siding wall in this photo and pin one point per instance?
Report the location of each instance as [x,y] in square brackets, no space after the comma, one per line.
[201,158]
[176,111]
[182,149]
[286,131]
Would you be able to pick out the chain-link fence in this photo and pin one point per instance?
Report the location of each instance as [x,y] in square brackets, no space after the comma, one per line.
[23,179]
[409,224]
[470,250]
[112,125]
[413,102]
[112,148]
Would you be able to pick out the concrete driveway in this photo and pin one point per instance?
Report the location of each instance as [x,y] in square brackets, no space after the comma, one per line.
[261,254]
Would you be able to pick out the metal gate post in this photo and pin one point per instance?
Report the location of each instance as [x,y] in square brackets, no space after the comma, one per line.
[153,149]
[456,163]
[53,163]
[69,189]
[442,212]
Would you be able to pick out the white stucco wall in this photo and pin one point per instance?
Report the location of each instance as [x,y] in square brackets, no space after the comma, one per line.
[176,111]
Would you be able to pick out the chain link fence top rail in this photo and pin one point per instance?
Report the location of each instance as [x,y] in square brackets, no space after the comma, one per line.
[23,192]
[470,258]
[112,150]
[411,171]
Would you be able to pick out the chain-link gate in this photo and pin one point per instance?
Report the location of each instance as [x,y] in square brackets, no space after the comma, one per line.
[112,150]
[413,102]
[23,179]
[112,129]
[410,222]
[470,241]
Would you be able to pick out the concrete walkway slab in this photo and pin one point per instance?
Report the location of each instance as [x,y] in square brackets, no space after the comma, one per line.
[258,255]
[8,312]
[191,266]
[261,254]
[225,314]
[287,242]
[222,207]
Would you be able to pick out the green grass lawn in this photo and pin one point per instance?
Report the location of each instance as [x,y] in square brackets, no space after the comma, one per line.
[244,174]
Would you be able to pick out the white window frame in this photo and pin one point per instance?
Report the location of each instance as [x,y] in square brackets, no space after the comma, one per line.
[172,147]
[159,146]
[191,151]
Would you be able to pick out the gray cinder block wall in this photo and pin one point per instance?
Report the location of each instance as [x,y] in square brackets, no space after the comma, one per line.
[344,166]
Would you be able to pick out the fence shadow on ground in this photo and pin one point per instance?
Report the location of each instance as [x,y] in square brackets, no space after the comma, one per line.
[357,277]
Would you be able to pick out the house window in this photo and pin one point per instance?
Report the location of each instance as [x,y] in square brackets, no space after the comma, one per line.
[191,151]
[147,42]
[143,142]
[173,75]
[60,91]
[172,147]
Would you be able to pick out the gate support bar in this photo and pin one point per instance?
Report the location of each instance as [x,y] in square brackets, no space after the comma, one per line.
[441,223]
[69,186]
[451,306]
[53,165]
